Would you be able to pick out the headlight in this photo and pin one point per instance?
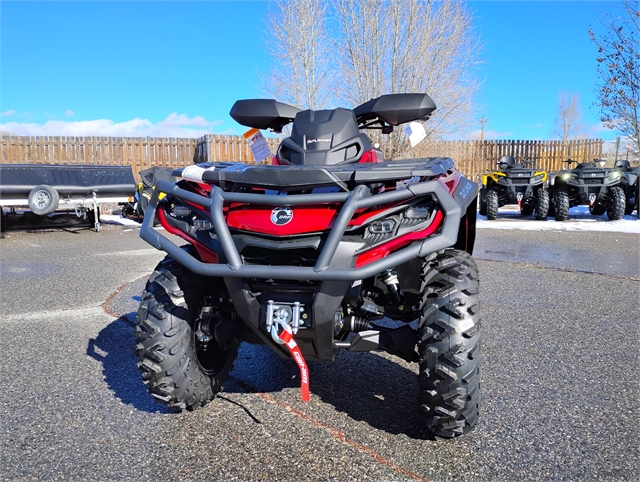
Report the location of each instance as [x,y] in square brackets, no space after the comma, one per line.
[184,214]
[613,176]
[565,176]
[400,223]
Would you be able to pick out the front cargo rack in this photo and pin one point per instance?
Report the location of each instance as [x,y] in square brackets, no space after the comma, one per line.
[225,176]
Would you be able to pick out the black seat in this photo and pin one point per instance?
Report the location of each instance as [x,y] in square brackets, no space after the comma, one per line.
[622,164]
[508,162]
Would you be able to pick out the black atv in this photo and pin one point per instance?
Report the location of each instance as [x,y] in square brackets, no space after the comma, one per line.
[514,183]
[309,255]
[588,183]
[630,185]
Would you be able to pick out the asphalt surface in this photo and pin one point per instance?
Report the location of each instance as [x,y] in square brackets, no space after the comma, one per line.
[561,395]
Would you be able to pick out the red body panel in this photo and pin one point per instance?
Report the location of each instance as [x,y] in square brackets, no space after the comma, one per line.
[306,219]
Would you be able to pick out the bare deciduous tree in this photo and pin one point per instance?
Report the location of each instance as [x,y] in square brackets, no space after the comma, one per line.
[568,123]
[383,47]
[619,71]
[299,46]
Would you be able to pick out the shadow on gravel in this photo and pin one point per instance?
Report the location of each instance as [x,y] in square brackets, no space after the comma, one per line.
[114,349]
[365,386]
[59,220]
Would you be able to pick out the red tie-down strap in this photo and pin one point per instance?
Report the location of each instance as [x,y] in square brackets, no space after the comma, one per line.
[293,347]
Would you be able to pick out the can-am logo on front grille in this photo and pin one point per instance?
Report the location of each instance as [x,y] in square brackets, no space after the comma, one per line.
[281,216]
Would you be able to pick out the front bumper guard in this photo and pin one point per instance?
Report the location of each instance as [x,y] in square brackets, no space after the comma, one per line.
[453,206]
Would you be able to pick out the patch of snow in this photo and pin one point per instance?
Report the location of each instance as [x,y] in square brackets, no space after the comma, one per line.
[116,219]
[580,219]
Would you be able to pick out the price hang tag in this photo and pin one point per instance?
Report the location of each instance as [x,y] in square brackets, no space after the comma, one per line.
[258,144]
[415,132]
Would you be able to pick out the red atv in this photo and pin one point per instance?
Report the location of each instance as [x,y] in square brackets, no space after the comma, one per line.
[309,255]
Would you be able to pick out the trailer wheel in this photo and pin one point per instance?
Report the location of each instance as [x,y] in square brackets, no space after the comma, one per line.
[43,200]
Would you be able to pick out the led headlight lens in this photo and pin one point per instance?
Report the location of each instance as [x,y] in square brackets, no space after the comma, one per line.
[178,211]
[613,176]
[382,227]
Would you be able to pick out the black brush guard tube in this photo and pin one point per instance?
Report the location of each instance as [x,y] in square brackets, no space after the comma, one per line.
[453,206]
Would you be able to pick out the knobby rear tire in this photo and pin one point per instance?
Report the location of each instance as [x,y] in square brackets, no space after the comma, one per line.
[449,344]
[629,207]
[597,209]
[542,210]
[482,205]
[526,210]
[171,367]
[638,197]
[492,204]
[562,206]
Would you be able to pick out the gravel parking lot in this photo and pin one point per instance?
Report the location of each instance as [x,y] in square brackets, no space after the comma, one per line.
[560,376]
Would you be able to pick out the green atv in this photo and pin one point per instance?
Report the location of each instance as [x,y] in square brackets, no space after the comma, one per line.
[602,189]
[630,184]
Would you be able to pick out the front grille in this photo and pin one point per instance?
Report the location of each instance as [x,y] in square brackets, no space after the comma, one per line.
[592,181]
[256,255]
[520,180]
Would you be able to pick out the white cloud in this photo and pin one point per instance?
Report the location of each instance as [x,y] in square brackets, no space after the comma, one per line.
[173,126]
[174,119]
[69,113]
[7,113]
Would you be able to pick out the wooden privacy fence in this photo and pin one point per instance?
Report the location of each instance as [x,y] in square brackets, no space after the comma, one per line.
[138,152]
[216,148]
[472,157]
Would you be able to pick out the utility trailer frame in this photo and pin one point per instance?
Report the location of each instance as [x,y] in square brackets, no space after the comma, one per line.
[80,187]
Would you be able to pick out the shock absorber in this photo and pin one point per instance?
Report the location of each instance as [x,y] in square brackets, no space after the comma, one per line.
[203,329]
[393,286]
[355,323]
[350,323]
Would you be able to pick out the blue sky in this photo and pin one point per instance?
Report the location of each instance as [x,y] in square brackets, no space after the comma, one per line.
[175,68]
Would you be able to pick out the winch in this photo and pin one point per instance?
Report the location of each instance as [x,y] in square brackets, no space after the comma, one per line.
[290,313]
[278,316]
